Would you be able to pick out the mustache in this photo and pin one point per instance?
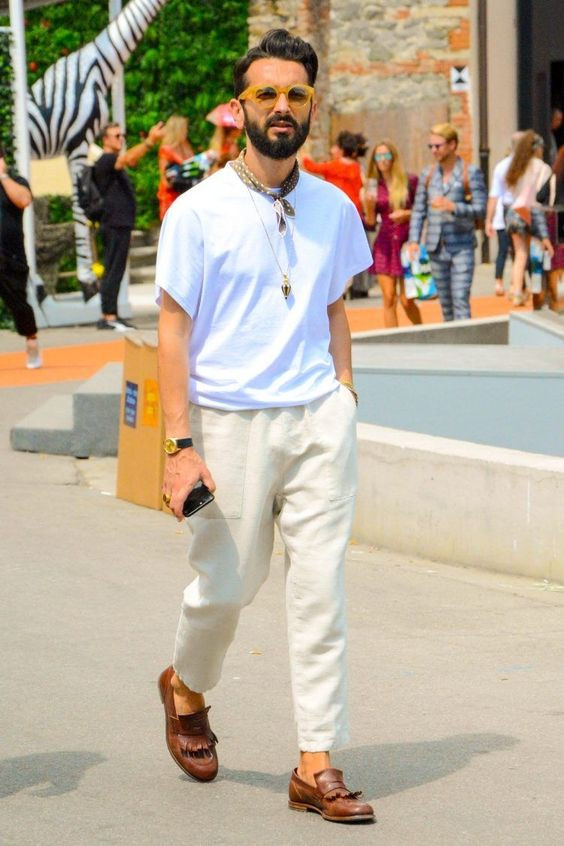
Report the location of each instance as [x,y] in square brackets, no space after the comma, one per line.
[278,120]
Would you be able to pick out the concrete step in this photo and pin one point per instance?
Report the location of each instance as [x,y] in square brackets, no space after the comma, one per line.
[138,275]
[96,413]
[82,424]
[47,429]
[142,256]
[145,238]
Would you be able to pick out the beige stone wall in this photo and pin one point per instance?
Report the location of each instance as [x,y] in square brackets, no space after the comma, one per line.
[385,66]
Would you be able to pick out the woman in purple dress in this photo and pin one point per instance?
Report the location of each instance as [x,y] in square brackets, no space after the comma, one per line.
[389,195]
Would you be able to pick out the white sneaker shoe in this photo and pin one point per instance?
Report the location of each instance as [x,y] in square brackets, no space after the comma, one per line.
[34,360]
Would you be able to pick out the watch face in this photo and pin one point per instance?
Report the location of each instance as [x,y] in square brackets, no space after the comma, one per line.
[170,446]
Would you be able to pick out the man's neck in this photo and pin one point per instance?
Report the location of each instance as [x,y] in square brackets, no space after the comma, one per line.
[271,172]
[447,165]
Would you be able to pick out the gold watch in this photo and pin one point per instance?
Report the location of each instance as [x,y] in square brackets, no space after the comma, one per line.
[174,445]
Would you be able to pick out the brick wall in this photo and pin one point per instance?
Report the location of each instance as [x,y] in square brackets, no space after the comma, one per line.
[385,66]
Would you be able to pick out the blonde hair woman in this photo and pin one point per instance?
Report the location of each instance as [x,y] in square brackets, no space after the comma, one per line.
[175,149]
[389,193]
[523,179]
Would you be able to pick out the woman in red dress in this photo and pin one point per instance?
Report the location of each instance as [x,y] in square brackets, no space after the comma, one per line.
[389,194]
[175,149]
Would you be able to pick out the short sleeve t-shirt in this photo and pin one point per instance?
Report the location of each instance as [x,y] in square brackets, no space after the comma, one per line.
[117,189]
[249,347]
[11,227]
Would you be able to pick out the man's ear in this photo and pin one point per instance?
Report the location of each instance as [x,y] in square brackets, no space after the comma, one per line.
[314,110]
[237,112]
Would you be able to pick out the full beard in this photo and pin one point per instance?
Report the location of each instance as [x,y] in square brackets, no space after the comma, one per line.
[282,147]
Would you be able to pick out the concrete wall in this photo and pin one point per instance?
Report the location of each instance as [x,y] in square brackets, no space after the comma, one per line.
[542,329]
[486,330]
[461,503]
[500,396]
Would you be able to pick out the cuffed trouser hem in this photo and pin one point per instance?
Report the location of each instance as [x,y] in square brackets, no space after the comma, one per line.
[324,742]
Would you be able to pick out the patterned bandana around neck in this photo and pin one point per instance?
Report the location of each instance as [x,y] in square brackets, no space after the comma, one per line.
[281,206]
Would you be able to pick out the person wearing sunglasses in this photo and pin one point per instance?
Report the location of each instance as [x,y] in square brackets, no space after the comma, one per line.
[389,195]
[451,197]
[256,388]
[118,217]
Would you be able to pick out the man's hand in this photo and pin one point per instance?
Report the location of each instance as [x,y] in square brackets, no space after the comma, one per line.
[489,230]
[183,471]
[442,204]
[156,133]
[413,250]
[3,166]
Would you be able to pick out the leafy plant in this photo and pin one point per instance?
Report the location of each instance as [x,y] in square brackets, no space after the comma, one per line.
[6,100]
[183,66]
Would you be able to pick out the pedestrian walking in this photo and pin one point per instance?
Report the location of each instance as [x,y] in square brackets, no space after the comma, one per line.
[450,198]
[259,405]
[118,217]
[15,196]
[524,178]
[389,196]
[500,197]
[175,149]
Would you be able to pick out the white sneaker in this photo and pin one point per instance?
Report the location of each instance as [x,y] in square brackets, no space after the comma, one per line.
[34,360]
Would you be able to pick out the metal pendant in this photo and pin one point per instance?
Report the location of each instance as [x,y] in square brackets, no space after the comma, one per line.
[286,287]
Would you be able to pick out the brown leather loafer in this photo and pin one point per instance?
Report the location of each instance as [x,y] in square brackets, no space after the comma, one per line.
[189,738]
[331,798]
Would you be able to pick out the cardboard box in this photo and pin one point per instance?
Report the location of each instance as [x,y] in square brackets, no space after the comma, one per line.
[141,427]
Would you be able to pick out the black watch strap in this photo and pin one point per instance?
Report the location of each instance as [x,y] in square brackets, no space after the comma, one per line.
[184,443]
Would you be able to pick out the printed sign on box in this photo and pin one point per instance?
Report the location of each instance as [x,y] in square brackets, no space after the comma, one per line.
[130,406]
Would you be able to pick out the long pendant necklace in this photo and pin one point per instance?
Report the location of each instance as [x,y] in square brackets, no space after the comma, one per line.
[286,286]
[282,208]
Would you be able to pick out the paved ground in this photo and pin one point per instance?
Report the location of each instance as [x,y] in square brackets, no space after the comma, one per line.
[457,688]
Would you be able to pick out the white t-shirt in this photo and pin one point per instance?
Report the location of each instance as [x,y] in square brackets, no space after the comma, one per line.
[499,187]
[524,193]
[249,347]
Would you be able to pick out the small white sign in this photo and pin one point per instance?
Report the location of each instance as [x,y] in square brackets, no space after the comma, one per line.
[460,78]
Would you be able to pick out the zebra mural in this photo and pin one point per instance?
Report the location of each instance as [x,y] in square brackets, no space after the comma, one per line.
[67,107]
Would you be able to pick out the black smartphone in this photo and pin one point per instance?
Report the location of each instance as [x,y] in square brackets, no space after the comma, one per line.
[196,499]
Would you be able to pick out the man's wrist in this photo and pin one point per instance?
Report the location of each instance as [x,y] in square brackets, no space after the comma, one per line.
[351,388]
[4,175]
[148,144]
[173,445]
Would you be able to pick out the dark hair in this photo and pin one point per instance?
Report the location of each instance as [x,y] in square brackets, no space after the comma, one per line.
[277,44]
[353,144]
[361,145]
[109,126]
[348,143]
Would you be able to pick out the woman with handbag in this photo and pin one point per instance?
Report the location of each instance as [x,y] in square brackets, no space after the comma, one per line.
[523,216]
[174,150]
[389,195]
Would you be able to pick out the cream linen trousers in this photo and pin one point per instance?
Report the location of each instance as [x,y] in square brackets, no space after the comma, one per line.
[295,467]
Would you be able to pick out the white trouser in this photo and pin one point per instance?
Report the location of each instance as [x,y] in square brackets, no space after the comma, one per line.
[296,467]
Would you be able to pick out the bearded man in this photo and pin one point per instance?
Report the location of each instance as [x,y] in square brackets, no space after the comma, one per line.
[259,406]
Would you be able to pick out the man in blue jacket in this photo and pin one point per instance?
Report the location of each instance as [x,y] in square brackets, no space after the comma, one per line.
[451,197]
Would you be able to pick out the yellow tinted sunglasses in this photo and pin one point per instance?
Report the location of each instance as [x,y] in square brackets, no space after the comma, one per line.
[267,95]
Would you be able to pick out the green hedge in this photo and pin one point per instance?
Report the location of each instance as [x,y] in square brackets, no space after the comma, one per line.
[183,65]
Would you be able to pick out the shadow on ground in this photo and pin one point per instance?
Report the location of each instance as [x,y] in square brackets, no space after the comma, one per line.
[53,773]
[383,770]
